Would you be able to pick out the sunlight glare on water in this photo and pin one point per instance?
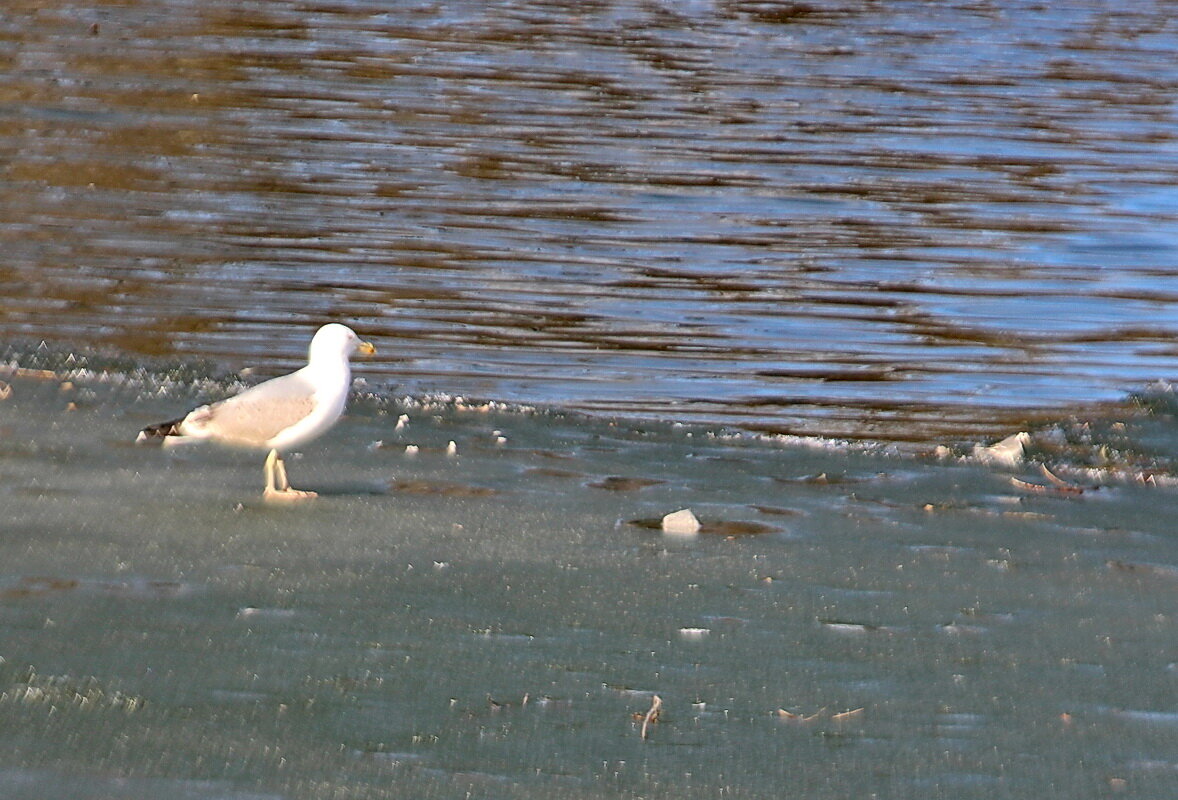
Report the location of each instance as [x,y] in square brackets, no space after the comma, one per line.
[843,219]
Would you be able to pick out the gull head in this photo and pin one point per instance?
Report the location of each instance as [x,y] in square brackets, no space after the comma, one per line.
[337,342]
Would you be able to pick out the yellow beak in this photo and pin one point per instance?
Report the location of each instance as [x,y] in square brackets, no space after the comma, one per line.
[366,348]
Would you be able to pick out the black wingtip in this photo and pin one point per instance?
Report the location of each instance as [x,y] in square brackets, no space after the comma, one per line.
[160,431]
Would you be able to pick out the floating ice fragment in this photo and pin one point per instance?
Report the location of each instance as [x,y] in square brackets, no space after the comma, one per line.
[451,448]
[681,522]
[274,613]
[959,629]
[411,449]
[694,634]
[402,421]
[848,627]
[684,522]
[1007,453]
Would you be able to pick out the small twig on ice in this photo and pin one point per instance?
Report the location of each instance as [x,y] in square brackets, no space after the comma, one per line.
[1057,484]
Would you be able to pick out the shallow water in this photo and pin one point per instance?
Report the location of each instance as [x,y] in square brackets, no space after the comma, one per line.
[492,624]
[891,221]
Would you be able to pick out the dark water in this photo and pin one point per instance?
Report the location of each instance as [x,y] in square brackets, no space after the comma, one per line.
[893,220]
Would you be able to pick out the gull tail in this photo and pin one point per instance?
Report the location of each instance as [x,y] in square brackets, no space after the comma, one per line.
[160,432]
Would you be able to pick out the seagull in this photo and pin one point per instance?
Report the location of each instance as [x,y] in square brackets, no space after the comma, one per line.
[280,414]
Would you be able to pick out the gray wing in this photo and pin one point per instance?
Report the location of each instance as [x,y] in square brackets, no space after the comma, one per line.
[258,414]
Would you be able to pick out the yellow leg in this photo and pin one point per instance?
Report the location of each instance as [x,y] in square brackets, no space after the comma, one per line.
[280,474]
[277,486]
[271,459]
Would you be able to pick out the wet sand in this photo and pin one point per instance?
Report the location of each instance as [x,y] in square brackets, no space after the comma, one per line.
[491,623]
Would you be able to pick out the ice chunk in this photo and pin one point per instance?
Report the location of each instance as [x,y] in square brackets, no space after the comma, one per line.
[1007,453]
[682,521]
